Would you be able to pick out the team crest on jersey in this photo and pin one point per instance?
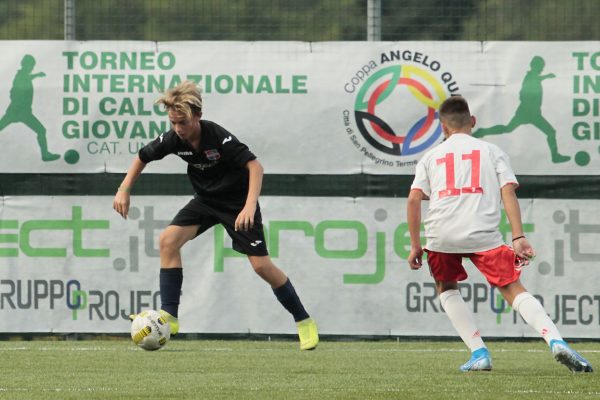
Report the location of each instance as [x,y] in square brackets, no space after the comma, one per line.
[212,154]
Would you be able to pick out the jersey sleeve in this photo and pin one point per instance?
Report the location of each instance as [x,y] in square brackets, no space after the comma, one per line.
[158,148]
[235,151]
[421,181]
[503,169]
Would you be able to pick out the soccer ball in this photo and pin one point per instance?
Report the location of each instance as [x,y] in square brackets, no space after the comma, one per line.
[150,330]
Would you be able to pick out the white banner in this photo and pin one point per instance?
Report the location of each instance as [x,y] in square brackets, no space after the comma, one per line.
[71,264]
[89,106]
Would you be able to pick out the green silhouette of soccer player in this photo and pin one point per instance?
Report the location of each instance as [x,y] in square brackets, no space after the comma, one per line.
[21,100]
[530,110]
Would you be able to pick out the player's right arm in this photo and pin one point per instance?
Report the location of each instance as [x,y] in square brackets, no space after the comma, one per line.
[522,247]
[122,198]
[413,215]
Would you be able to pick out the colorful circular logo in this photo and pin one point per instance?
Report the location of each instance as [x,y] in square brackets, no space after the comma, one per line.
[396,110]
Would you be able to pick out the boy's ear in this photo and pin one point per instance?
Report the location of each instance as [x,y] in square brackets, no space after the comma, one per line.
[473,121]
[444,127]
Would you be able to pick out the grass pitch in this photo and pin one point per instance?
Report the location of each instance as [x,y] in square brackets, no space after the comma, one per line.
[269,370]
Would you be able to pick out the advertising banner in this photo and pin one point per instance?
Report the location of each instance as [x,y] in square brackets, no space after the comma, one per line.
[71,264]
[86,107]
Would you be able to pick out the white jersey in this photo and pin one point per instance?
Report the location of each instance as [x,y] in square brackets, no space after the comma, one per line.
[462,177]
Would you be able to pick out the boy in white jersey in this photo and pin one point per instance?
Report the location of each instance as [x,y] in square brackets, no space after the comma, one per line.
[466,180]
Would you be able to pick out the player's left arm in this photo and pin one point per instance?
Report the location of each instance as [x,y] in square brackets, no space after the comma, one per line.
[522,247]
[245,219]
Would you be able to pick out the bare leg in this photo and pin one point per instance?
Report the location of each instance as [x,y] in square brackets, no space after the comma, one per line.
[512,290]
[171,271]
[265,268]
[171,241]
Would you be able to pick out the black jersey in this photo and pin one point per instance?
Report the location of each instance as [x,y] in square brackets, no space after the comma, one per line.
[216,170]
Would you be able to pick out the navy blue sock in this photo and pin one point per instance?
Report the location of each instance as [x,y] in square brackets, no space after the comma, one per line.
[286,294]
[171,280]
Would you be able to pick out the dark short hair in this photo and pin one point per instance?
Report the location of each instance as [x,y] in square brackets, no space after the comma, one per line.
[454,112]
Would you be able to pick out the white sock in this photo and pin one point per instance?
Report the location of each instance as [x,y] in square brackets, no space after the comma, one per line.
[462,318]
[534,314]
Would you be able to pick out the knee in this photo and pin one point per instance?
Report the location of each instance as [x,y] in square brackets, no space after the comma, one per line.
[261,266]
[167,242]
[444,286]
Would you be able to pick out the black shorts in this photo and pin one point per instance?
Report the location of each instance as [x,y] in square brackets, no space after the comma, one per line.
[207,215]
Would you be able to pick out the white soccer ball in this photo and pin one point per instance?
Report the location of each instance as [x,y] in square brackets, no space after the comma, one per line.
[150,330]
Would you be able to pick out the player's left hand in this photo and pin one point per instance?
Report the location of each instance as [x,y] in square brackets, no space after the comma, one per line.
[245,219]
[523,250]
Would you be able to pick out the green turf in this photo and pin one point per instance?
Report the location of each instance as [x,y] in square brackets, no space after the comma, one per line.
[270,370]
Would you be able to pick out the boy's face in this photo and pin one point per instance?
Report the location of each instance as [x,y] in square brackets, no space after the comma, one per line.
[186,128]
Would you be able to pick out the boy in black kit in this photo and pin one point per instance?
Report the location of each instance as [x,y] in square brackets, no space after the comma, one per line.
[227,179]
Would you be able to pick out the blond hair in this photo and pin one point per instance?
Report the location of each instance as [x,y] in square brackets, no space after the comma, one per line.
[185,98]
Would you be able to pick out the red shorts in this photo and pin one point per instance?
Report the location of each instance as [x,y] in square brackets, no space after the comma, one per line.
[497,265]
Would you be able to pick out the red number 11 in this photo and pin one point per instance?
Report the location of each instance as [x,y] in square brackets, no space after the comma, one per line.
[451,189]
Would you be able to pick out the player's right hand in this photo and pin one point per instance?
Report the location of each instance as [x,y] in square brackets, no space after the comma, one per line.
[415,258]
[121,203]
